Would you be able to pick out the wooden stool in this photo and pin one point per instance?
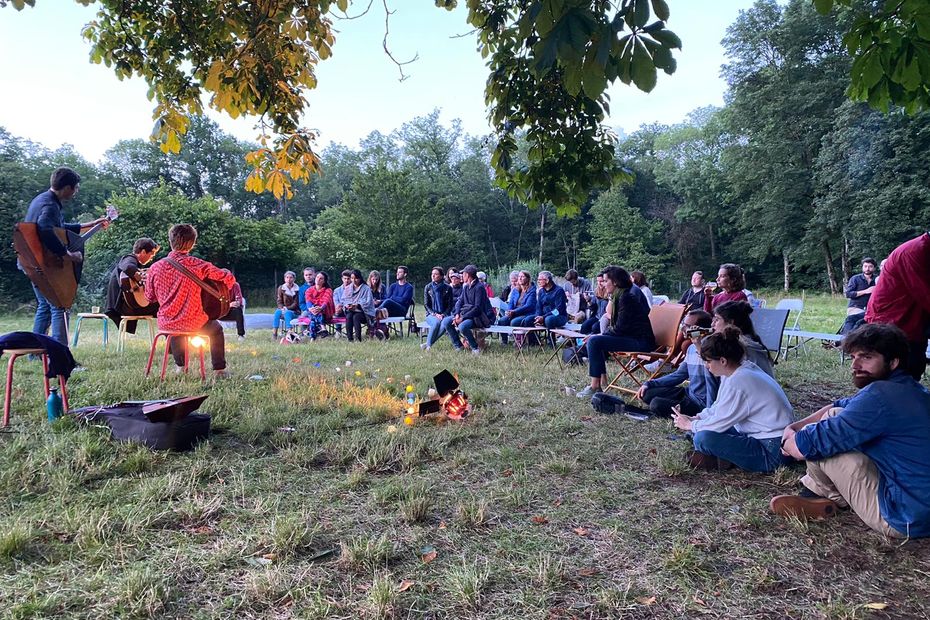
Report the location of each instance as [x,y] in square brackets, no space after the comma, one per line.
[16,353]
[121,341]
[169,336]
[90,315]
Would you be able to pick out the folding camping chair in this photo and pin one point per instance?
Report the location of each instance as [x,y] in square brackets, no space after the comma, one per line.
[666,321]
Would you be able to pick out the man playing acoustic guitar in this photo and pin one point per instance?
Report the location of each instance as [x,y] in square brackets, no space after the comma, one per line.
[125,290]
[179,297]
[45,212]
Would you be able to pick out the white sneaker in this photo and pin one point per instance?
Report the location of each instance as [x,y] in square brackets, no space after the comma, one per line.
[241,338]
[476,351]
[425,346]
[588,392]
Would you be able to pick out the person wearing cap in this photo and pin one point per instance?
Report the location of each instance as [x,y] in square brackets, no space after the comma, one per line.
[472,310]
[483,279]
[455,281]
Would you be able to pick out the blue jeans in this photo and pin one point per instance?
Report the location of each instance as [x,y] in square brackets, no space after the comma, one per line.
[600,345]
[435,329]
[393,308]
[288,315]
[49,315]
[749,453]
[464,329]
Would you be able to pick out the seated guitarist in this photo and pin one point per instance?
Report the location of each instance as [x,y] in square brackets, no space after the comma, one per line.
[126,282]
[45,212]
[180,307]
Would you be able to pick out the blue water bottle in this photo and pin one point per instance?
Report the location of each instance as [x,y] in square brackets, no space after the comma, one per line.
[54,405]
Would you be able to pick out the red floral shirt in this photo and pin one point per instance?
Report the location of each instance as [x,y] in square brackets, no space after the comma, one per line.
[324,299]
[178,297]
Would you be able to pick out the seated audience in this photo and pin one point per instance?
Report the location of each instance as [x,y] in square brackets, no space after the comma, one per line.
[736,314]
[663,393]
[508,292]
[320,305]
[694,296]
[309,279]
[472,310]
[729,278]
[455,281]
[744,425]
[236,310]
[870,451]
[399,295]
[438,302]
[288,303]
[359,306]
[522,301]
[639,279]
[578,294]
[550,305]
[483,278]
[338,308]
[628,327]
[378,290]
[594,323]
[859,290]
[179,297]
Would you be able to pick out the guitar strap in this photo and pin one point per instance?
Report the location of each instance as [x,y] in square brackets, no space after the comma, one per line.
[189,274]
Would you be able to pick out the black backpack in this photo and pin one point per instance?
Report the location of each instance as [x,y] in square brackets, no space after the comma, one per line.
[602,402]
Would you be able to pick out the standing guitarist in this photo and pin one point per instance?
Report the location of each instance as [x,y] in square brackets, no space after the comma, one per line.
[45,212]
[179,297]
[126,285]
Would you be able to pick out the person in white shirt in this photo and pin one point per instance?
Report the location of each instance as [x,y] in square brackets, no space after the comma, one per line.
[639,279]
[743,427]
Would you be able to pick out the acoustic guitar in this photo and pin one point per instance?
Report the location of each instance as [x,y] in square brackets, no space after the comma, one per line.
[56,277]
[133,291]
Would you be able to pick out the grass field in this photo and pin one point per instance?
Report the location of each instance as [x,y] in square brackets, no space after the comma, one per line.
[534,507]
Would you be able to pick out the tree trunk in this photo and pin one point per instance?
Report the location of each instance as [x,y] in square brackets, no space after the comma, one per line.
[526,215]
[787,267]
[844,261]
[713,243]
[542,232]
[831,276]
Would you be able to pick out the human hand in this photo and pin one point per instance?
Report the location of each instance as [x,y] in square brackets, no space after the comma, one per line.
[681,421]
[234,304]
[105,222]
[77,257]
[640,392]
[538,320]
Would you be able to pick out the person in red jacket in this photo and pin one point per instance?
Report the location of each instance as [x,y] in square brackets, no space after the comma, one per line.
[179,306]
[730,278]
[902,297]
[319,302]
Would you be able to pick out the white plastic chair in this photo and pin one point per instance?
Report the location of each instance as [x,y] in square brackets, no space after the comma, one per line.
[658,300]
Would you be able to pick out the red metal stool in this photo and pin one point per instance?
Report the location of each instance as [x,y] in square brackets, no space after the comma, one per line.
[187,352]
[16,353]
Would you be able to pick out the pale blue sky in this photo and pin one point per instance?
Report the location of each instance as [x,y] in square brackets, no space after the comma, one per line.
[52,94]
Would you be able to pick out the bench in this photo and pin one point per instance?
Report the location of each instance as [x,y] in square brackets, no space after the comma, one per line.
[803,337]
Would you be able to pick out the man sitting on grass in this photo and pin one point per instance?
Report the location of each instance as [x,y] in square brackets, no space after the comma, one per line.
[871,451]
[665,392]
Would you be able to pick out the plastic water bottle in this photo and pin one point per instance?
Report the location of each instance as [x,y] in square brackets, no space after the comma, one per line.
[54,405]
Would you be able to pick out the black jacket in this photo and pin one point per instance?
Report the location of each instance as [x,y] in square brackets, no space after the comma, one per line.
[444,305]
[474,304]
[60,360]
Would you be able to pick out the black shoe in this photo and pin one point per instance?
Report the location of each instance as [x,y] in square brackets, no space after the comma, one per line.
[628,408]
[707,462]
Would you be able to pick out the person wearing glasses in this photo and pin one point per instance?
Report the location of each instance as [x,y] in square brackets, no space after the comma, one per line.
[744,426]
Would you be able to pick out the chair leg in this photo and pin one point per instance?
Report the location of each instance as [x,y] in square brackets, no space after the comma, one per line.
[77,331]
[151,323]
[121,336]
[9,390]
[105,334]
[63,384]
[45,374]
[148,367]
[164,359]
[203,371]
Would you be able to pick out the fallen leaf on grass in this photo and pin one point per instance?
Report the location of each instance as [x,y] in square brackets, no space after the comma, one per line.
[652,451]
[507,472]
[442,525]
[698,601]
[539,520]
[428,554]
[642,600]
[271,557]
[405,585]
[876,606]
[202,529]
[586,418]
[557,502]
[587,572]
[580,531]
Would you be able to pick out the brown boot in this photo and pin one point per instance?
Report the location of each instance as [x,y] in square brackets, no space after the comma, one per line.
[807,505]
[706,462]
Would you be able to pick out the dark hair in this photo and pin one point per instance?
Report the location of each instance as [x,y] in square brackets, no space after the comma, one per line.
[723,345]
[144,244]
[325,278]
[618,275]
[347,273]
[357,273]
[571,275]
[735,273]
[737,314]
[439,269]
[182,237]
[64,177]
[639,278]
[704,319]
[869,259]
[886,340]
[406,271]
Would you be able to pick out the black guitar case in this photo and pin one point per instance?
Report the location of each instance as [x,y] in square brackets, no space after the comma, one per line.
[171,424]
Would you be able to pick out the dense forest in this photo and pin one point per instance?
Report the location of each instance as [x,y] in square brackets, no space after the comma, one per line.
[790,179]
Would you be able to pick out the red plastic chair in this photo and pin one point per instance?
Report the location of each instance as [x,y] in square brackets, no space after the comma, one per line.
[17,353]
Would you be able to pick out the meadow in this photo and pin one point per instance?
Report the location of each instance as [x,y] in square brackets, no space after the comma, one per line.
[313,500]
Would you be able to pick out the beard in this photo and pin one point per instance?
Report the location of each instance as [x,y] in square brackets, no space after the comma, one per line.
[863,379]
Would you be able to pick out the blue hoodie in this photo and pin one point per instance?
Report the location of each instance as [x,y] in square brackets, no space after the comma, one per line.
[889,422]
[527,306]
[547,301]
[702,386]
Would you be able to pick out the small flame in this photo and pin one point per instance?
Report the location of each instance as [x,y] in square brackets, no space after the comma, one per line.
[197,342]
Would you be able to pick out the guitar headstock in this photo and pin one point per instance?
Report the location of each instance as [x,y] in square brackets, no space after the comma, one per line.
[112,213]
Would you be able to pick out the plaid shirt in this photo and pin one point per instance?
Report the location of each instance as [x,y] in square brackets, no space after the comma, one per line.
[178,297]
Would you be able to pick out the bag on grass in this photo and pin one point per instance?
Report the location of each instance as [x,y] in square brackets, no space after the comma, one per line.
[159,425]
[602,402]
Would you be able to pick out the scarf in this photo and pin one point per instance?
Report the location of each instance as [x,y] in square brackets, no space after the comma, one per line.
[290,292]
[351,294]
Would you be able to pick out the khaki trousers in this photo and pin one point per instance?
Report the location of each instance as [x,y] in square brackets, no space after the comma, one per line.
[851,480]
